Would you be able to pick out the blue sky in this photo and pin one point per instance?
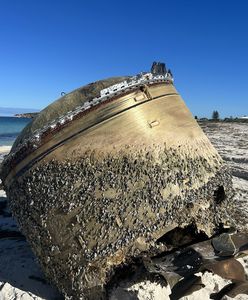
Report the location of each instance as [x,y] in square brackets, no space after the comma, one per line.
[47,47]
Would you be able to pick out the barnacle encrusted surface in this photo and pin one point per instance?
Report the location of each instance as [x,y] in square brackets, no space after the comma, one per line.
[107,209]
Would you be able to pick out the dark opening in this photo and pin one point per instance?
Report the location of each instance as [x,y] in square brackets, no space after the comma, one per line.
[219,195]
[179,237]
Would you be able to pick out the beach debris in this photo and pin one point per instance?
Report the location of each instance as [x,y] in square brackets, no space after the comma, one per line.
[231,290]
[186,287]
[180,267]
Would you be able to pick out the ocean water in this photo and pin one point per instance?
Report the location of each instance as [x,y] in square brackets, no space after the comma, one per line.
[10,128]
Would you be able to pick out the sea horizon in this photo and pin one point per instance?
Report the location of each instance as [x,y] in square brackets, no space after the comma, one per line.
[12,111]
[10,128]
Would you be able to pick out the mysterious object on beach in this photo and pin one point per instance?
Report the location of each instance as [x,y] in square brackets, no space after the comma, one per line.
[101,175]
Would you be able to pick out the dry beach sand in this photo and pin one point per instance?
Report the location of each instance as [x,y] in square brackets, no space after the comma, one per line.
[21,277]
[3,151]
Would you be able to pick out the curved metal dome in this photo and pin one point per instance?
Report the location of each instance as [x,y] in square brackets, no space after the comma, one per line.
[64,104]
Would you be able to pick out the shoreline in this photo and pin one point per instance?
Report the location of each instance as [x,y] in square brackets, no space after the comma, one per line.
[4,150]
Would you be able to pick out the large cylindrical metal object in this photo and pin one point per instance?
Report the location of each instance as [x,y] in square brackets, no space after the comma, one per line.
[99,187]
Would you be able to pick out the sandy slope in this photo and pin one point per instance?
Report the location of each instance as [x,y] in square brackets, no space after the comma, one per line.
[3,151]
[21,277]
[231,141]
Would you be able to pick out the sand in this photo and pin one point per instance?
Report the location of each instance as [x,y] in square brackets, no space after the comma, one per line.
[22,279]
[4,149]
